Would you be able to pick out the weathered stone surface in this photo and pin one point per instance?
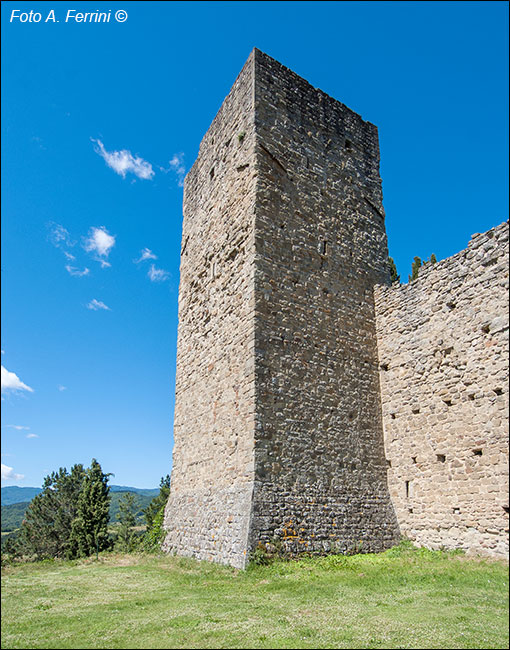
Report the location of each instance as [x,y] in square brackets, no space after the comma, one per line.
[208,513]
[320,471]
[284,356]
[443,351]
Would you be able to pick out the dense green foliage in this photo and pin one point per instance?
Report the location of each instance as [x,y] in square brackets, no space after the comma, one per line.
[415,269]
[417,264]
[155,534]
[46,528]
[159,501]
[69,517]
[394,276]
[12,515]
[89,531]
[404,598]
[127,520]
[154,516]
[141,502]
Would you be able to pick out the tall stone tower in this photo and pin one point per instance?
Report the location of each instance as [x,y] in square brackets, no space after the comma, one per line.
[278,426]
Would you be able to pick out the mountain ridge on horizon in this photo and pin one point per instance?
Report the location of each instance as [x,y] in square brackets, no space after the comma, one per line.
[16,494]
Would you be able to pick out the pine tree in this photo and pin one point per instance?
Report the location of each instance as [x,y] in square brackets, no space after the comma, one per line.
[127,521]
[90,527]
[46,528]
[415,268]
[160,500]
[394,276]
[432,259]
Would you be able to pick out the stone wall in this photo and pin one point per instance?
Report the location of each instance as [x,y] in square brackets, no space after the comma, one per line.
[320,473]
[443,353]
[208,511]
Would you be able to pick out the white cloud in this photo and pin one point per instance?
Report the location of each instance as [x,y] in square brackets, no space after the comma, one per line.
[59,236]
[99,243]
[32,435]
[19,427]
[146,254]
[97,304]
[72,270]
[8,473]
[157,275]
[177,166]
[61,388]
[11,381]
[123,161]
[69,256]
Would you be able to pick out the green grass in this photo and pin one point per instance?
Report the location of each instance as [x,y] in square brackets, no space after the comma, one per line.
[399,599]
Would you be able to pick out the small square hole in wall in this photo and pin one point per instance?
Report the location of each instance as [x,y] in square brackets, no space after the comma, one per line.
[407,489]
[498,391]
[410,510]
[456,511]
[486,329]
[441,458]
[393,416]
[471,396]
[415,409]
[388,462]
[211,173]
[477,452]
[448,402]
[414,460]
[505,508]
[348,144]
[384,366]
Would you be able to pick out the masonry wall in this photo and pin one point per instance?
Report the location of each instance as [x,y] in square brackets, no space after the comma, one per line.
[320,471]
[208,512]
[443,352]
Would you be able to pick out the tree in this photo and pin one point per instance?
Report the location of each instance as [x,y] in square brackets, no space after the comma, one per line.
[159,501]
[89,532]
[46,528]
[127,521]
[432,259]
[155,514]
[394,276]
[415,269]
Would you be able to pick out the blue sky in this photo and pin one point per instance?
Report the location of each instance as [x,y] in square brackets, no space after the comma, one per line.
[99,124]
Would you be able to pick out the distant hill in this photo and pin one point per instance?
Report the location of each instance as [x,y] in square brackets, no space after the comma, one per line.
[15,494]
[12,514]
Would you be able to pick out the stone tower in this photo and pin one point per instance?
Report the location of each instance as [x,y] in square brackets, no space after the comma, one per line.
[278,426]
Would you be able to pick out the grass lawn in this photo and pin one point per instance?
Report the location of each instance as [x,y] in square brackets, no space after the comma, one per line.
[399,599]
